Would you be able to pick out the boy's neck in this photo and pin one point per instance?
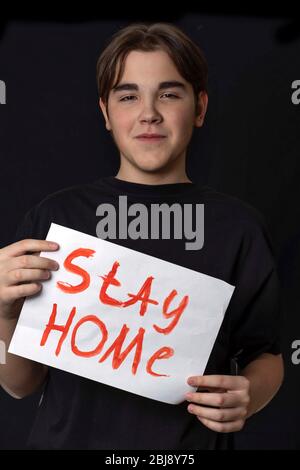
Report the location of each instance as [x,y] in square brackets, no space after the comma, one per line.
[152,178]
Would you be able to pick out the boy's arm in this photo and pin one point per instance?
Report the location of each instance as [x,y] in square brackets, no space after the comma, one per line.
[265,375]
[18,376]
[21,275]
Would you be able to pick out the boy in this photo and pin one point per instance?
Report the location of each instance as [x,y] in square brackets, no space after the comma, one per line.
[152,83]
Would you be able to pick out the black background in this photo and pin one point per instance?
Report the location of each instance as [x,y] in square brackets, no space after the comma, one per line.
[52,135]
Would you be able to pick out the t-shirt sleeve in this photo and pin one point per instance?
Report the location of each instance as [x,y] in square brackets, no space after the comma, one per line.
[34,224]
[256,306]
[25,228]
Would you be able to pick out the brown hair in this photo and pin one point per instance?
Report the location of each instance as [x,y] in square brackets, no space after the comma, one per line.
[186,55]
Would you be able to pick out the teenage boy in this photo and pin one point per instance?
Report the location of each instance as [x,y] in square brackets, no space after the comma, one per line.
[152,82]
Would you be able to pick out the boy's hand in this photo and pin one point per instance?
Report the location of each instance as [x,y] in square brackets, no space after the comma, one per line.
[223,406]
[22,272]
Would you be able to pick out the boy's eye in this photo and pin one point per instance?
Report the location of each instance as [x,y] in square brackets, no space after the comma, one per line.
[170,95]
[128,98]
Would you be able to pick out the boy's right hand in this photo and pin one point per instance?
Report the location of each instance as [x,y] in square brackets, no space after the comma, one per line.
[21,272]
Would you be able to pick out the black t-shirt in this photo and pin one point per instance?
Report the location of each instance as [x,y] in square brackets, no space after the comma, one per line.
[76,412]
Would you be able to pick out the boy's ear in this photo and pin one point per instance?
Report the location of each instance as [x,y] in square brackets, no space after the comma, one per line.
[104,112]
[201,109]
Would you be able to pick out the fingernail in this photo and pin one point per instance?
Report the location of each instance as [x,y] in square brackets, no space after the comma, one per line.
[192,381]
[54,245]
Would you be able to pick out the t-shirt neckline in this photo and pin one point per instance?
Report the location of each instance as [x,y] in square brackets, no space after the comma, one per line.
[130,187]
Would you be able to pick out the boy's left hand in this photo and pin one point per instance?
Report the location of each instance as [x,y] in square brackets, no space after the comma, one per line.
[227,394]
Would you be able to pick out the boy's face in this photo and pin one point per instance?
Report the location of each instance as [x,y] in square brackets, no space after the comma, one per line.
[152,98]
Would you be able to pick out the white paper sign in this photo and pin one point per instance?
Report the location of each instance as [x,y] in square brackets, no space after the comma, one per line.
[122,317]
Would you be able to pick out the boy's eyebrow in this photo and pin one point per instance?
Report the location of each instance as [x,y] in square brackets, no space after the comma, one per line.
[171,84]
[162,86]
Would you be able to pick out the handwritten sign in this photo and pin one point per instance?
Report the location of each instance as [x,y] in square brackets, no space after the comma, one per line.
[122,318]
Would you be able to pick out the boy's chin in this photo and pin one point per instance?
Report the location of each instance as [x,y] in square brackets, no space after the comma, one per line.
[153,167]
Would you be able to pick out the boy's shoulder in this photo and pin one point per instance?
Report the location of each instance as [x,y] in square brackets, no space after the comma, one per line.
[227,206]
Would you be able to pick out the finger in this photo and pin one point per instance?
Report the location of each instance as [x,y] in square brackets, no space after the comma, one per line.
[233,426]
[227,382]
[23,290]
[211,389]
[21,247]
[31,262]
[217,400]
[218,414]
[24,275]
